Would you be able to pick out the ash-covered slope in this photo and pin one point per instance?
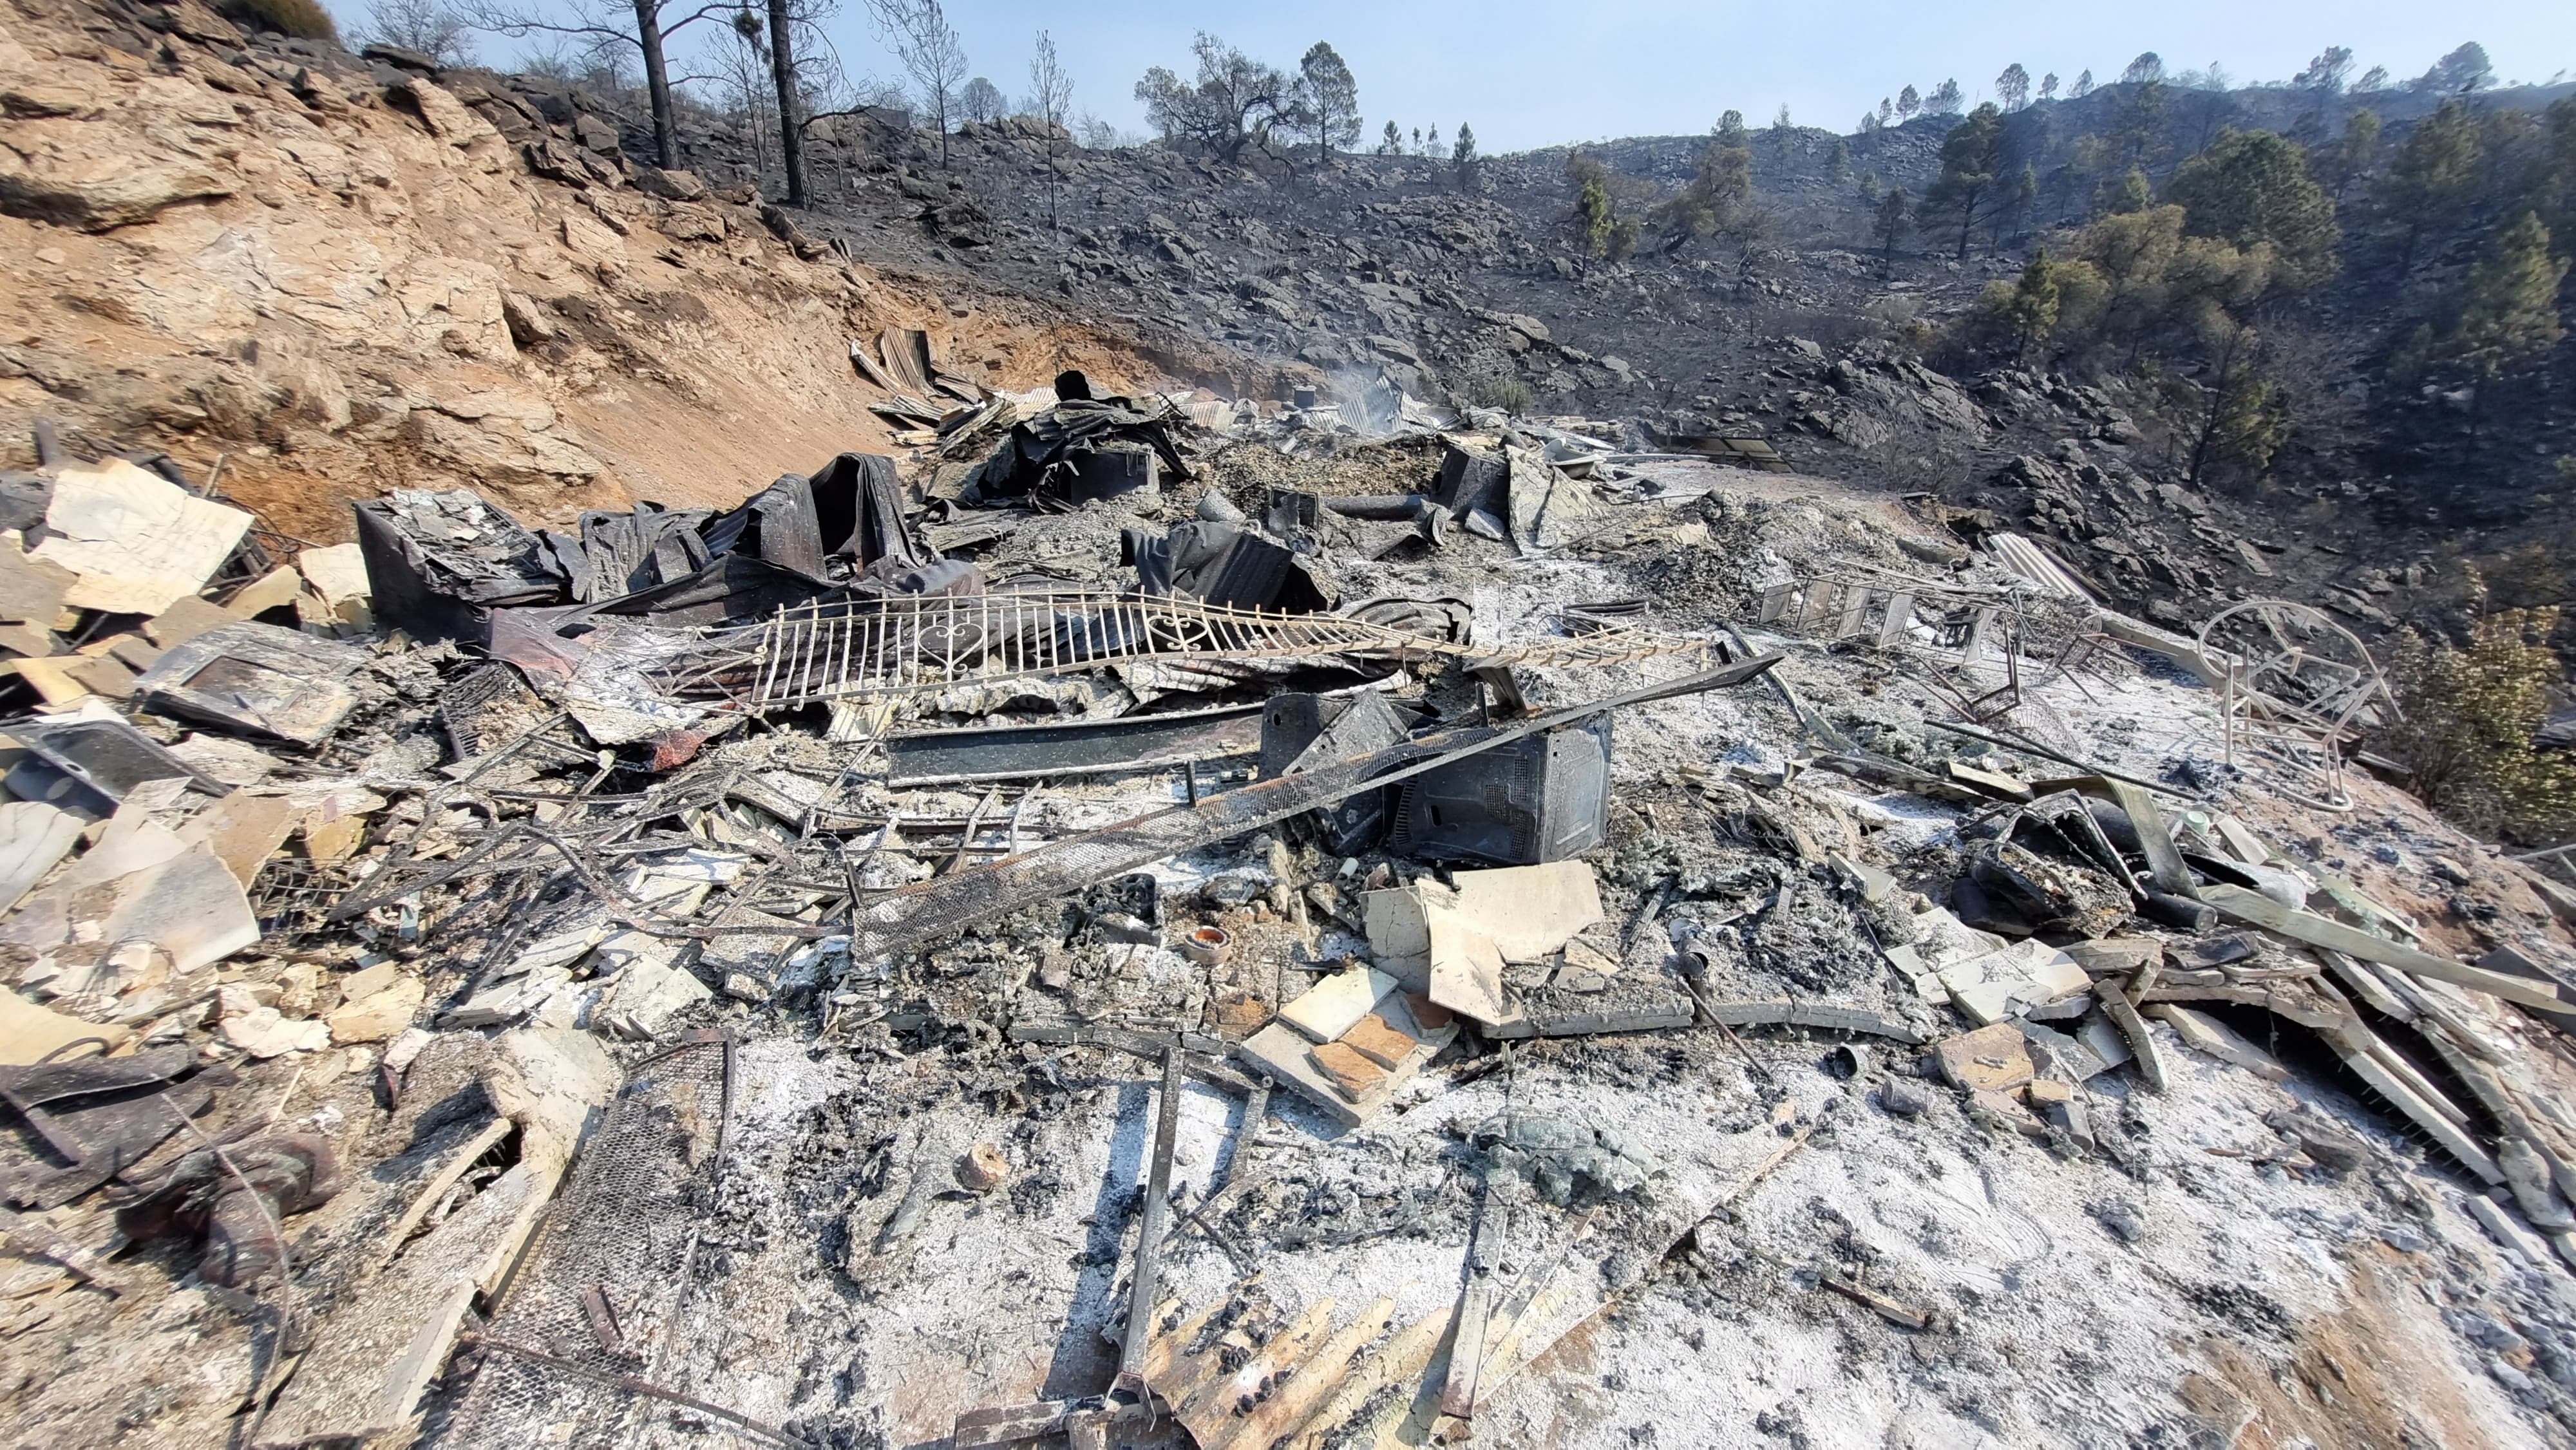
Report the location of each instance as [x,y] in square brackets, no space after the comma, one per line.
[1387,278]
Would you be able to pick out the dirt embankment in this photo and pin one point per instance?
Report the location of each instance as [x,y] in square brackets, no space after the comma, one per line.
[343,280]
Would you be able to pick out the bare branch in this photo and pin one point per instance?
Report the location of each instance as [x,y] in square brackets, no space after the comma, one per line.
[918,33]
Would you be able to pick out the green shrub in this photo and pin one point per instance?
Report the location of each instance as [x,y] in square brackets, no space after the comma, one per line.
[2470,714]
[1509,394]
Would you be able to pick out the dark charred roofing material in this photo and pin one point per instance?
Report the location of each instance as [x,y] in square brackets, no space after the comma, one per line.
[1224,565]
[439,562]
[1044,455]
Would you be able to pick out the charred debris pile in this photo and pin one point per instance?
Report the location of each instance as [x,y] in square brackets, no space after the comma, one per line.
[1192,740]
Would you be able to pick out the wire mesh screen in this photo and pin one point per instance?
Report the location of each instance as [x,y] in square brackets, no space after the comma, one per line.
[602,1288]
[293,900]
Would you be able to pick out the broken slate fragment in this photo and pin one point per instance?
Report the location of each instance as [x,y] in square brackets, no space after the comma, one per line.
[379,1015]
[2115,956]
[2011,980]
[31,590]
[2003,1111]
[140,884]
[1329,1008]
[1990,1059]
[185,620]
[137,542]
[1351,1072]
[645,998]
[2527,1174]
[33,838]
[2207,1035]
[1527,912]
[1466,970]
[1374,1038]
[30,1034]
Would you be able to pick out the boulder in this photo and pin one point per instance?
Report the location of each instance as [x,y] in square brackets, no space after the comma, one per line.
[401,57]
[102,192]
[669,185]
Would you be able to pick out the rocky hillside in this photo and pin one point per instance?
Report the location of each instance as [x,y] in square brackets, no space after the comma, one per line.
[1386,278]
[1391,276]
[338,278]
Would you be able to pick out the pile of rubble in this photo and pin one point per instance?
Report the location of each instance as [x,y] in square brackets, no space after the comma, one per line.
[510,984]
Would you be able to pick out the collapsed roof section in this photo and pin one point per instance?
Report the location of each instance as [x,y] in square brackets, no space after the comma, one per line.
[444,563]
[1080,450]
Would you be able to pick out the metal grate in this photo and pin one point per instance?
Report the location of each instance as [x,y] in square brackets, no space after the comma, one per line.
[603,1288]
[293,900]
[2295,688]
[854,648]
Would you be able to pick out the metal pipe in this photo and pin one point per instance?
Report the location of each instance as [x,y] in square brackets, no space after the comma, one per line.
[1149,1237]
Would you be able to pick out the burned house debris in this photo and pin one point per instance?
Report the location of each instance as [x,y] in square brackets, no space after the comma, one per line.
[1386,909]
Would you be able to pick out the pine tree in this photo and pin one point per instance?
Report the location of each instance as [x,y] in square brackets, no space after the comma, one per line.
[1462,157]
[1891,224]
[1908,102]
[2434,174]
[2012,88]
[2137,133]
[2509,304]
[2083,87]
[1391,141]
[1945,100]
[2325,74]
[2025,198]
[2032,311]
[2134,194]
[1592,210]
[1721,182]
[2251,188]
[2462,71]
[1594,216]
[2354,153]
[2242,420]
[1329,98]
[1971,157]
[2469,717]
[1050,101]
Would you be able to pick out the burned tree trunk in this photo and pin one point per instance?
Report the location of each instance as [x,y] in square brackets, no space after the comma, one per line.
[791,129]
[657,83]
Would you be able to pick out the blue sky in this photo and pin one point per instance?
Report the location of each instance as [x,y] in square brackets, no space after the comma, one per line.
[1528,74]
